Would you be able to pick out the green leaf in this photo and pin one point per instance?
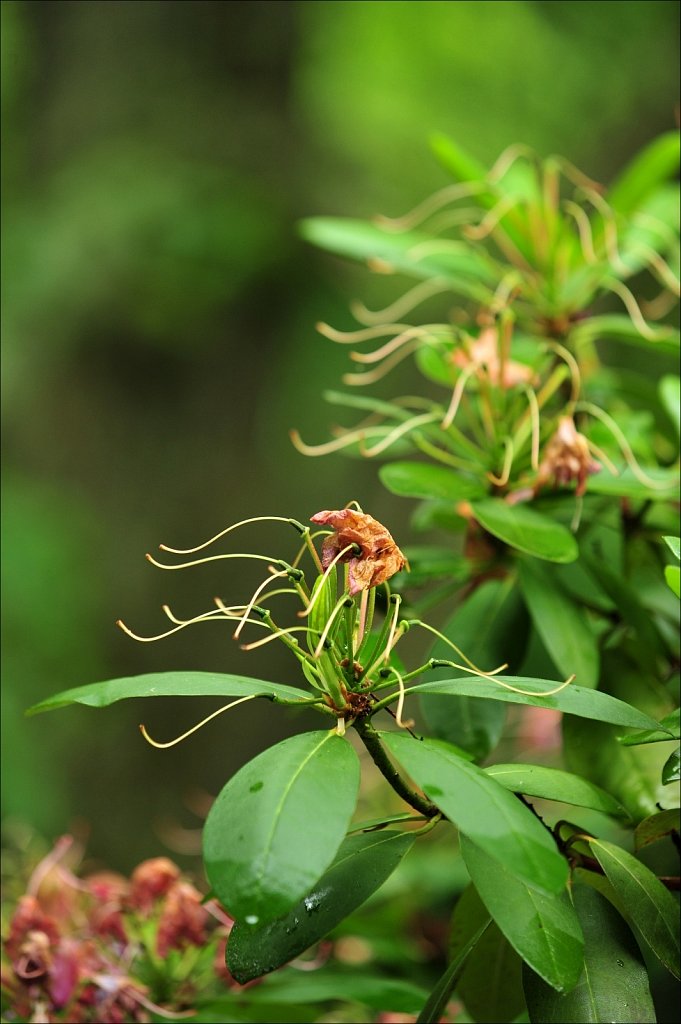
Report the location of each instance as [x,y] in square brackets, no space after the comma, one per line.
[527,530]
[499,823]
[664,340]
[468,271]
[491,626]
[428,563]
[362,865]
[671,770]
[437,1001]
[561,623]
[543,930]
[670,396]
[294,986]
[277,824]
[651,167]
[629,605]
[591,750]
[573,700]
[670,728]
[460,164]
[169,684]
[672,574]
[422,480]
[656,827]
[650,907]
[555,784]
[665,486]
[613,985]
[674,545]
[491,982]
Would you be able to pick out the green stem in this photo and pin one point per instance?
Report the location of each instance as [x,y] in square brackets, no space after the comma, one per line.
[372,742]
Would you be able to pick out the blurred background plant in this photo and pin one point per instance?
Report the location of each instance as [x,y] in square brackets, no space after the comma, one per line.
[159,308]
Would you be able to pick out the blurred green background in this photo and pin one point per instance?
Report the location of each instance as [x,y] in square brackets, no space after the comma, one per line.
[159,319]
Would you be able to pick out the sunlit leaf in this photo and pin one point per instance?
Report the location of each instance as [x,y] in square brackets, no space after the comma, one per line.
[361,866]
[169,684]
[423,480]
[277,824]
[613,985]
[672,574]
[543,929]
[651,167]
[561,623]
[555,784]
[674,545]
[464,267]
[482,809]
[526,529]
[649,905]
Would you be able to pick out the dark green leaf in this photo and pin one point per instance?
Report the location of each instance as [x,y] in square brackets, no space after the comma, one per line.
[651,167]
[439,997]
[169,684]
[277,824]
[629,605]
[656,827]
[614,983]
[464,267]
[498,822]
[491,982]
[555,784]
[543,930]
[669,729]
[292,986]
[527,530]
[491,627]
[362,865]
[572,700]
[629,773]
[674,545]
[561,623]
[651,907]
[431,563]
[423,480]
[671,770]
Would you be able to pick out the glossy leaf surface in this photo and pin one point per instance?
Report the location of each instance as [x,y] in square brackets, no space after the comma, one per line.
[486,812]
[572,700]
[656,827]
[650,906]
[277,824]
[543,929]
[527,530]
[168,684]
[555,784]
[613,985]
[423,480]
[361,866]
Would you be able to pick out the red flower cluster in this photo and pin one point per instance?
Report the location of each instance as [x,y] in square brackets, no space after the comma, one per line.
[76,950]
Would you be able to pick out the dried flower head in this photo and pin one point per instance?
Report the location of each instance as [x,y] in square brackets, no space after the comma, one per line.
[484,354]
[567,458]
[372,554]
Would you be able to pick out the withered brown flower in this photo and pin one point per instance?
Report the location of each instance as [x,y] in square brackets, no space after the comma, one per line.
[567,458]
[483,353]
[378,558]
